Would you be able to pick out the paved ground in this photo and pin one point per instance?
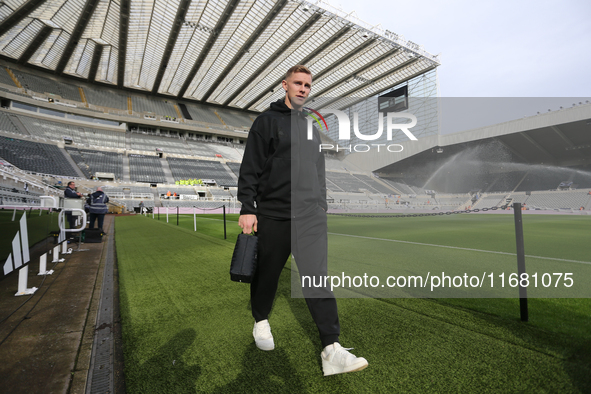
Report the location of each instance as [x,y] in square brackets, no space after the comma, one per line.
[46,344]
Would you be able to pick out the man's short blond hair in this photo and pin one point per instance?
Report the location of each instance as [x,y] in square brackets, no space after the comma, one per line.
[300,68]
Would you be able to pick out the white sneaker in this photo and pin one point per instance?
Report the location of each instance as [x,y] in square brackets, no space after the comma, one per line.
[337,359]
[262,335]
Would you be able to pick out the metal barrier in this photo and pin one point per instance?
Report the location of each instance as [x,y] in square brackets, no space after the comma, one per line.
[48,198]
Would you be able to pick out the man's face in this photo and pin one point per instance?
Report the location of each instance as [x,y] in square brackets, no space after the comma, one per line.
[297,88]
[72,185]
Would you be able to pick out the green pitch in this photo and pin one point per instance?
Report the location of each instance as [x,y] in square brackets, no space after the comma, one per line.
[188,328]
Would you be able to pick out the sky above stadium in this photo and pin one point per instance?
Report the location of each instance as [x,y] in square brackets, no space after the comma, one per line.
[496,49]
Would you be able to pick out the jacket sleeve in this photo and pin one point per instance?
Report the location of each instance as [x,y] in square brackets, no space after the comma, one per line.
[253,162]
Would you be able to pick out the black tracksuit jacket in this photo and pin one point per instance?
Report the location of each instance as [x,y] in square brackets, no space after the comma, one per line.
[282,175]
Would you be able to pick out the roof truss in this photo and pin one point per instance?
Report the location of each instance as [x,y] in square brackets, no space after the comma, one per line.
[230,7]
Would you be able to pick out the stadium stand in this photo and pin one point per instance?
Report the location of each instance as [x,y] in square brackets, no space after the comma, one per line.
[45,85]
[135,203]
[150,143]
[556,199]
[219,193]
[13,197]
[490,201]
[227,152]
[202,149]
[105,98]
[333,164]
[545,200]
[7,123]
[192,203]
[582,177]
[201,113]
[506,182]
[186,190]
[450,201]
[140,190]
[235,118]
[519,197]
[83,135]
[348,197]
[14,91]
[35,157]
[235,167]
[347,182]
[200,169]
[401,187]
[5,78]
[542,180]
[373,185]
[146,169]
[159,107]
[105,138]
[91,162]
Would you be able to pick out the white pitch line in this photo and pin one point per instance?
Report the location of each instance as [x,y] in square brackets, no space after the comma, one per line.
[457,247]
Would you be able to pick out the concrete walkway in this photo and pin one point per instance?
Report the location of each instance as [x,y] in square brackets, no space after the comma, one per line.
[46,340]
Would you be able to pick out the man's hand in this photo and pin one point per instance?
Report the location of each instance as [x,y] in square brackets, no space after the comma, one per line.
[248,223]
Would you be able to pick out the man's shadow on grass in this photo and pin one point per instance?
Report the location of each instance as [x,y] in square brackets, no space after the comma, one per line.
[173,375]
[265,372]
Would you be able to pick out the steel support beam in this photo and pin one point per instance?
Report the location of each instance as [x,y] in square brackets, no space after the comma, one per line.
[124,10]
[274,56]
[174,34]
[225,17]
[511,149]
[83,20]
[35,44]
[305,60]
[96,58]
[18,14]
[358,88]
[561,135]
[246,47]
[540,147]
[344,59]
[363,69]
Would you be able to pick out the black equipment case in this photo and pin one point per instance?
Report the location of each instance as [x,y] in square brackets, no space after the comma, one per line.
[93,236]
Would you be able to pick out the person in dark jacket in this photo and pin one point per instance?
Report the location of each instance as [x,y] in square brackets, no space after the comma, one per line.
[282,188]
[97,203]
[70,192]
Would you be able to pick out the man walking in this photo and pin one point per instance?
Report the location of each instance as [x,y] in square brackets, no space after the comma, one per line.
[97,202]
[282,188]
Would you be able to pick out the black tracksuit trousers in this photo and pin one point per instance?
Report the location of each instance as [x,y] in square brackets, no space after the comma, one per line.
[307,239]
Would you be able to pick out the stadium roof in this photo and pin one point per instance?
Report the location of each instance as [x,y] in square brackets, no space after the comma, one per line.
[560,138]
[228,52]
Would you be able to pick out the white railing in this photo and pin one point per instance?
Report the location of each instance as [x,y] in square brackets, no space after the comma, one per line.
[145,196]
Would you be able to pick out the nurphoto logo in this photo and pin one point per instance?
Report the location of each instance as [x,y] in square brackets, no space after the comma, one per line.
[345,130]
